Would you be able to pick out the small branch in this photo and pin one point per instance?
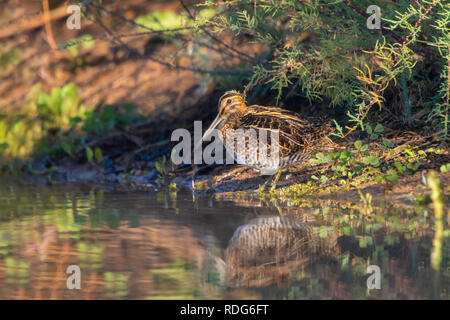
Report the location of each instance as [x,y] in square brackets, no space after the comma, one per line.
[162,62]
[48,29]
[135,24]
[392,33]
[419,21]
[209,34]
[366,15]
[32,22]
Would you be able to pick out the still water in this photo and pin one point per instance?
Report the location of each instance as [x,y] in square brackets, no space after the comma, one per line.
[175,246]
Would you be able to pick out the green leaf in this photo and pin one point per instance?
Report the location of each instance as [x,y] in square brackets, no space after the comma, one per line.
[374,161]
[98,155]
[379,128]
[391,176]
[159,167]
[366,160]
[338,129]
[89,154]
[67,148]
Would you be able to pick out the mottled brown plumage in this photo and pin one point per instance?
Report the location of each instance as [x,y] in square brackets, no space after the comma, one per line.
[298,139]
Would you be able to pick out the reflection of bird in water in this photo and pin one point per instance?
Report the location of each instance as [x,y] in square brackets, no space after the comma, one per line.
[297,138]
[268,249]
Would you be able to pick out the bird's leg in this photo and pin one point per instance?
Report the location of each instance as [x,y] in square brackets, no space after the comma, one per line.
[264,185]
[277,177]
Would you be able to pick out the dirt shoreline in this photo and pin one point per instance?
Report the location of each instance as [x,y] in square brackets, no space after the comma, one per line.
[236,181]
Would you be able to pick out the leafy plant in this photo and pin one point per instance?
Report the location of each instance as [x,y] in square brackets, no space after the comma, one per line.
[322,50]
[379,161]
[56,109]
[99,123]
[57,124]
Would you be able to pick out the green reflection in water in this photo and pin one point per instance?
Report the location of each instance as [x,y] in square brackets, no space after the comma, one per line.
[169,247]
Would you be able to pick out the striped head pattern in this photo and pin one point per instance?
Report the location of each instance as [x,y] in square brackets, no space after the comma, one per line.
[230,103]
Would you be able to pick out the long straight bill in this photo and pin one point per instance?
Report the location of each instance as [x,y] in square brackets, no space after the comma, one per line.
[214,124]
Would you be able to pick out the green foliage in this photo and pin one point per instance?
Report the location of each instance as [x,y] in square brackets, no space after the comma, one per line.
[170,20]
[56,124]
[323,50]
[378,161]
[89,155]
[98,154]
[162,20]
[17,136]
[57,108]
[322,68]
[161,166]
[83,42]
[164,166]
[374,132]
[99,123]
[21,134]
[445,168]
[438,205]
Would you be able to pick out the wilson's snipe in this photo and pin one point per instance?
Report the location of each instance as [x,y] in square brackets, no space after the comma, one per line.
[297,138]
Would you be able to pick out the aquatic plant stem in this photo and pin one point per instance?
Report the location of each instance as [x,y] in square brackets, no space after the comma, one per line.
[277,177]
[438,205]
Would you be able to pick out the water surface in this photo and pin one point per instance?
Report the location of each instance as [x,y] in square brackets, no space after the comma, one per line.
[176,246]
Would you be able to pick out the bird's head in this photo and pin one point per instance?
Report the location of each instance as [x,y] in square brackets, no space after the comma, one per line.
[231,103]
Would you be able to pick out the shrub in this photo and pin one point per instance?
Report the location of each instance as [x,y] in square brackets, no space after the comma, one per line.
[323,50]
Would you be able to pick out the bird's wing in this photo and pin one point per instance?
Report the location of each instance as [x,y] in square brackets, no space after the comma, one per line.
[295,135]
[291,128]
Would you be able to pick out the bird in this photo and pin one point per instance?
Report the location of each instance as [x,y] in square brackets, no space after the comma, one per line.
[298,139]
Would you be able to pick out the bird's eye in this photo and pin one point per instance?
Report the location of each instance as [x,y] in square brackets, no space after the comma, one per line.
[228,101]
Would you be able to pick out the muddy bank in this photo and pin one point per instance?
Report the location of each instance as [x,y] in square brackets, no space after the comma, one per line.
[235,181]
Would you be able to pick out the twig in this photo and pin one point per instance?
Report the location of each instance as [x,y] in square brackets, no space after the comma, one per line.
[34,22]
[135,24]
[392,33]
[420,20]
[366,15]
[247,57]
[382,86]
[48,29]
[165,63]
